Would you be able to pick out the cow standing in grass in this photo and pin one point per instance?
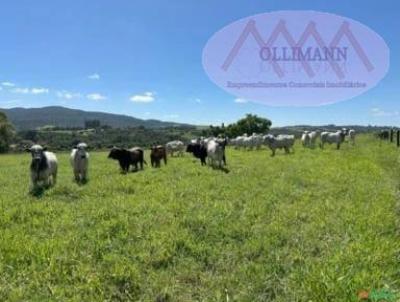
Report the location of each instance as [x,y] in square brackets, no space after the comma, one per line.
[126,158]
[43,168]
[80,162]
[282,141]
[383,134]
[332,138]
[198,150]
[175,146]
[306,139]
[157,154]
[313,138]
[216,152]
[352,136]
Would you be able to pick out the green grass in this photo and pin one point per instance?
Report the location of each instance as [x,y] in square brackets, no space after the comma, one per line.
[317,225]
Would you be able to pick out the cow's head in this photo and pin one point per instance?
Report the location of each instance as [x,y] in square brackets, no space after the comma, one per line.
[222,142]
[115,153]
[81,150]
[191,147]
[38,155]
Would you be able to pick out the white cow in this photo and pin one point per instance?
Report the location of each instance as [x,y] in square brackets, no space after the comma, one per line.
[238,142]
[44,166]
[352,136]
[282,141]
[332,138]
[313,138]
[216,152]
[253,141]
[306,139]
[79,160]
[175,146]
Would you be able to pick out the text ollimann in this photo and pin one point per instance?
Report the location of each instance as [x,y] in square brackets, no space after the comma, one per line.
[300,54]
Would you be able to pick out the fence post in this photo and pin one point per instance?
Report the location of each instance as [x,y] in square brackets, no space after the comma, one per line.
[398,138]
[391,135]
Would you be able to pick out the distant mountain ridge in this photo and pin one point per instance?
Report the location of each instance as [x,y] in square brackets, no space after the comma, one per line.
[32,118]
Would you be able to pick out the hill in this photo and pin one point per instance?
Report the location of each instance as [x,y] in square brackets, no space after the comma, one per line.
[32,118]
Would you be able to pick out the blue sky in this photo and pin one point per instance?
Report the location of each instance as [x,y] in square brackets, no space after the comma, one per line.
[143,58]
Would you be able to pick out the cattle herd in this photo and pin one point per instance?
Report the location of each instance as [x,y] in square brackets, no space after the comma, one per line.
[44,164]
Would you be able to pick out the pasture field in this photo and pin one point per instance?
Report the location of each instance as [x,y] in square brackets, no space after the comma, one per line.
[316,225]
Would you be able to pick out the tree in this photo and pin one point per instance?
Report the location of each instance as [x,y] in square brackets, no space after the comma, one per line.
[250,124]
[6,133]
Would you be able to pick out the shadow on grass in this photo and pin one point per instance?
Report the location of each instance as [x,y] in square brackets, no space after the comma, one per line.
[223,169]
[37,192]
[82,182]
[130,171]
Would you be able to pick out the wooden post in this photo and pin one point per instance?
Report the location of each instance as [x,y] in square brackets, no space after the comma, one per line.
[398,138]
[391,135]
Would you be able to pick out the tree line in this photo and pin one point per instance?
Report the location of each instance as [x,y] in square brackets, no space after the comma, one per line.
[100,136]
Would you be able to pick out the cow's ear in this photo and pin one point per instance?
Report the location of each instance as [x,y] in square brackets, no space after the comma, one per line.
[44,148]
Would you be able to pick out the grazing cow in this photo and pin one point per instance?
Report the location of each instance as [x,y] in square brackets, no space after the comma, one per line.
[175,146]
[44,167]
[384,134]
[157,154]
[352,136]
[282,141]
[216,152]
[332,138]
[306,139]
[198,150]
[128,157]
[80,162]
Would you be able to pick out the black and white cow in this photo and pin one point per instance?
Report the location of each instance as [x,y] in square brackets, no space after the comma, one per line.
[198,150]
[216,152]
[43,168]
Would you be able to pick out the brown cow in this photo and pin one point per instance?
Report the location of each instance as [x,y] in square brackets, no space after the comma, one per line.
[157,154]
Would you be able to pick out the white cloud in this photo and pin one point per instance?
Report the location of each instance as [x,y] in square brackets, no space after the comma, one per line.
[63,94]
[146,97]
[94,76]
[379,112]
[171,116]
[30,91]
[8,84]
[198,101]
[241,101]
[96,97]
[21,90]
[39,90]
